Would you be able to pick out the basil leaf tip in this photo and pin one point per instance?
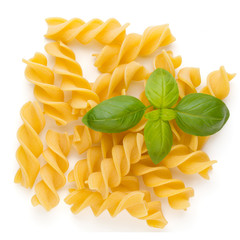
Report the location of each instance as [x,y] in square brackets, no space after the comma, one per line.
[115,115]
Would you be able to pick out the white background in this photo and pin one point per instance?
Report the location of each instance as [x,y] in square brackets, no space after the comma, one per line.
[207,34]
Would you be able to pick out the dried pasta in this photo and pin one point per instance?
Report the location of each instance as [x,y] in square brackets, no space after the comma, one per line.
[166,61]
[218,83]
[133,45]
[108,32]
[187,161]
[110,85]
[31,146]
[84,138]
[52,173]
[51,96]
[118,166]
[137,203]
[72,79]
[160,179]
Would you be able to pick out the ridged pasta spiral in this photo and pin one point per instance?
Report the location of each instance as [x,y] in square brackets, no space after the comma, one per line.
[110,85]
[160,179]
[52,173]
[31,146]
[218,83]
[166,61]
[137,203]
[46,92]
[187,161]
[133,45]
[66,31]
[84,138]
[72,79]
[114,168]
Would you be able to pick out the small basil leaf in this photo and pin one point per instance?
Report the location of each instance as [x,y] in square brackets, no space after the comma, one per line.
[201,114]
[165,114]
[115,115]
[161,89]
[153,115]
[158,138]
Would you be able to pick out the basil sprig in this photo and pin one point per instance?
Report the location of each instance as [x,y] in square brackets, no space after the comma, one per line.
[197,114]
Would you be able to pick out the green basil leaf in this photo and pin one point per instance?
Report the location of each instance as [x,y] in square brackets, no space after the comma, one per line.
[161,89]
[201,114]
[165,114]
[115,115]
[158,138]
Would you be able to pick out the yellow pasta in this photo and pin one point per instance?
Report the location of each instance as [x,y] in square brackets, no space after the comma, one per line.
[108,32]
[84,138]
[137,203]
[110,85]
[188,79]
[46,92]
[160,179]
[218,83]
[72,79]
[118,166]
[52,173]
[133,45]
[187,161]
[31,146]
[166,61]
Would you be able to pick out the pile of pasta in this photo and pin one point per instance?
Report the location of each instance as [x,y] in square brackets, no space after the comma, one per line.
[108,179]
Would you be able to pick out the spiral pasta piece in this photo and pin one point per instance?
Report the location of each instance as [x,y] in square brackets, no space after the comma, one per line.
[108,32]
[187,161]
[133,45]
[115,168]
[110,85]
[137,203]
[52,173]
[166,61]
[84,138]
[160,179]
[218,83]
[31,146]
[72,79]
[51,96]
[188,79]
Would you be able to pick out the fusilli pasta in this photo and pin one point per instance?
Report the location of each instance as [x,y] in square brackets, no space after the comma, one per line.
[133,45]
[31,146]
[52,173]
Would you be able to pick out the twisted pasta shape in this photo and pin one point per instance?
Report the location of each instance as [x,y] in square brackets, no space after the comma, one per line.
[133,45]
[108,32]
[160,179]
[188,79]
[52,173]
[218,83]
[115,168]
[31,146]
[84,138]
[137,203]
[72,79]
[166,61]
[51,96]
[110,85]
[187,161]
